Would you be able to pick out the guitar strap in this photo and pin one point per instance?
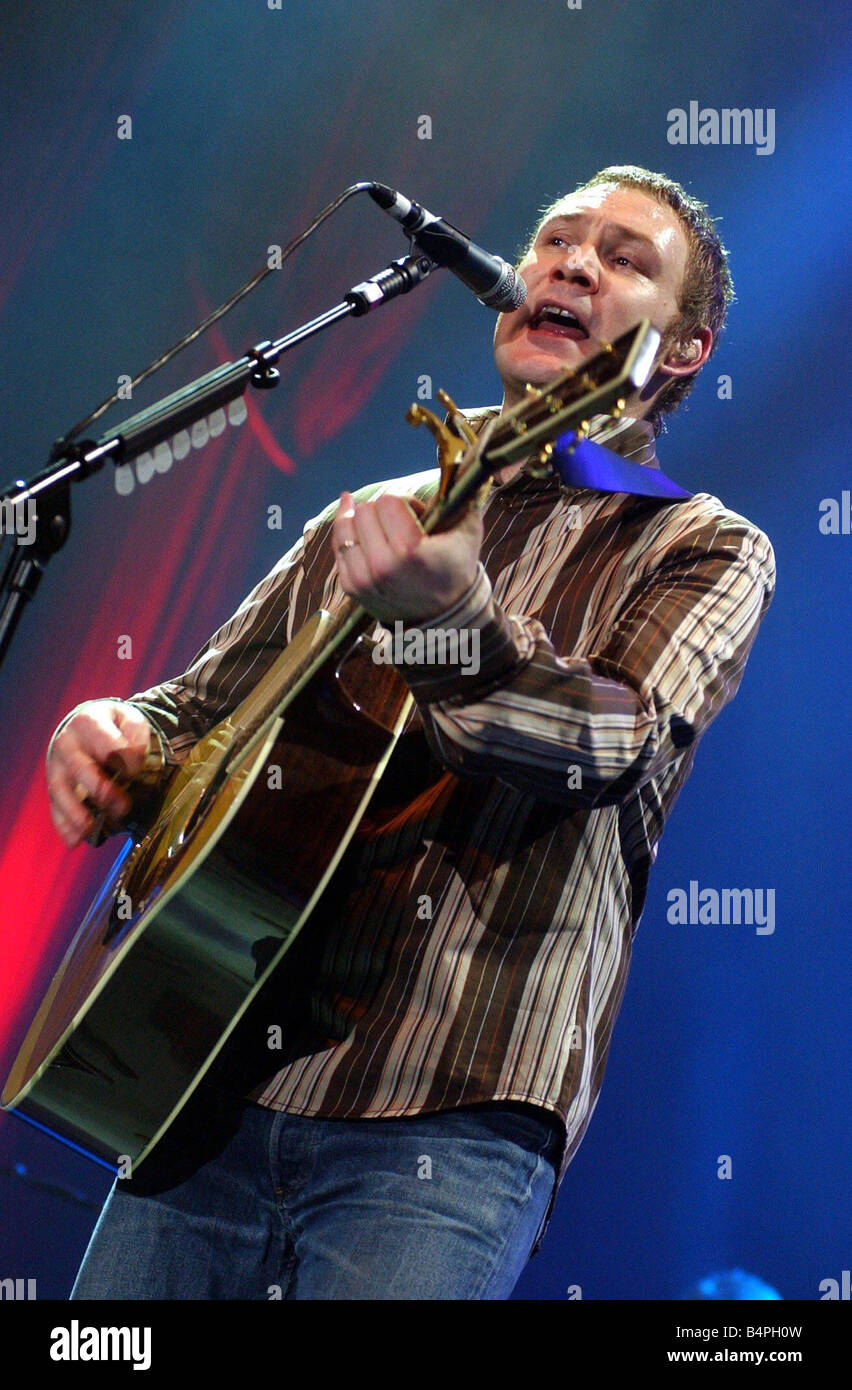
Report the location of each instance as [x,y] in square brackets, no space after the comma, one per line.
[585,464]
[581,463]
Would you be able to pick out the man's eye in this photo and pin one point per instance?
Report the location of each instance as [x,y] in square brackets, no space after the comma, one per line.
[625,259]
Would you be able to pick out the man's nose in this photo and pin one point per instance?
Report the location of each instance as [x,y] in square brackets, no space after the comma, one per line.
[580,266]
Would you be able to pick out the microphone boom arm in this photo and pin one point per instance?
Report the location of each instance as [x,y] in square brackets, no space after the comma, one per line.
[73,461]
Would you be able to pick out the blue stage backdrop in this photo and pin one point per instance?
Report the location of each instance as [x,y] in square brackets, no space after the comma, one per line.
[153,156]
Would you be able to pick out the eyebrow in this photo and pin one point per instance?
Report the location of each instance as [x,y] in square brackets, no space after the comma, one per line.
[623,233]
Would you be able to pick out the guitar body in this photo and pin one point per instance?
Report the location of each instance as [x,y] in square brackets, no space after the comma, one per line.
[194,917]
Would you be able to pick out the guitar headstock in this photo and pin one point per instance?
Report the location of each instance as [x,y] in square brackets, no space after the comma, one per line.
[600,386]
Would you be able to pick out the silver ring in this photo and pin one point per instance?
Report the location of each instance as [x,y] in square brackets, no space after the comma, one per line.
[348,545]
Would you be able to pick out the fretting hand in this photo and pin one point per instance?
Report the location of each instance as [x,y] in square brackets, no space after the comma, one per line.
[388,563]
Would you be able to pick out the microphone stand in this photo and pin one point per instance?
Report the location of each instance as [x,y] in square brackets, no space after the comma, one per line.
[72,461]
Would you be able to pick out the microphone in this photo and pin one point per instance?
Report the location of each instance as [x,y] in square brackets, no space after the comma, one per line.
[495,283]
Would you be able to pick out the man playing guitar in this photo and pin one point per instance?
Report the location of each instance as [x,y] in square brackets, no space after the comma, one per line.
[457,994]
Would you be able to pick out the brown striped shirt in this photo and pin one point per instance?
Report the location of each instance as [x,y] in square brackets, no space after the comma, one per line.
[476,947]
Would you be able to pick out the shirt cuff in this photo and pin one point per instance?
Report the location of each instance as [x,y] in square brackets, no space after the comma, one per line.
[457,656]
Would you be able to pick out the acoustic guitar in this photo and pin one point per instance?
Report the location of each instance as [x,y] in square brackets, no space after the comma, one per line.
[198,910]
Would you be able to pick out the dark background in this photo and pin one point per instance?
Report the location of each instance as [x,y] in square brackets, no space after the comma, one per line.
[246,121]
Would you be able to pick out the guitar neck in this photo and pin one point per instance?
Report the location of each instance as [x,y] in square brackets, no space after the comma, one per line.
[529,427]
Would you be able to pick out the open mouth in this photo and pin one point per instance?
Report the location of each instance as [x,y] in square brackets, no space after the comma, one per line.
[553,319]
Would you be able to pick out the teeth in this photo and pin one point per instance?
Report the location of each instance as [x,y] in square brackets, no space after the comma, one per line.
[554,311]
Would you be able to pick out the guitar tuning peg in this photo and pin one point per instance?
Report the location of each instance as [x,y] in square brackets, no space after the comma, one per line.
[540,465]
[450,446]
[544,456]
[419,415]
[457,419]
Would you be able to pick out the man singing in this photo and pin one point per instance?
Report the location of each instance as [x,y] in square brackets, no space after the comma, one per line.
[451,1002]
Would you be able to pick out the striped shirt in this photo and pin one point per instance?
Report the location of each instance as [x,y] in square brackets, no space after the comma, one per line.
[474,947]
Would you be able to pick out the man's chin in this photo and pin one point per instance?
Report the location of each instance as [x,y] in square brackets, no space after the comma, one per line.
[541,364]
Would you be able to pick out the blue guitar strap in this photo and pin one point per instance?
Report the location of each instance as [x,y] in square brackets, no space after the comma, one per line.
[581,463]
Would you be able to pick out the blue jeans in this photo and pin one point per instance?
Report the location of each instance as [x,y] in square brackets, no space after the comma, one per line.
[262,1204]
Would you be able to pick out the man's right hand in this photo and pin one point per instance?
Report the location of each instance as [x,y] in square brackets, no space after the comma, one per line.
[104,738]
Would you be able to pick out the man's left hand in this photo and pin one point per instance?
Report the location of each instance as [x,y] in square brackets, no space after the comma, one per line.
[391,566]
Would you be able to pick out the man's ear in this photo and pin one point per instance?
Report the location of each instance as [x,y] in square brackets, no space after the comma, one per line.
[684,358]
